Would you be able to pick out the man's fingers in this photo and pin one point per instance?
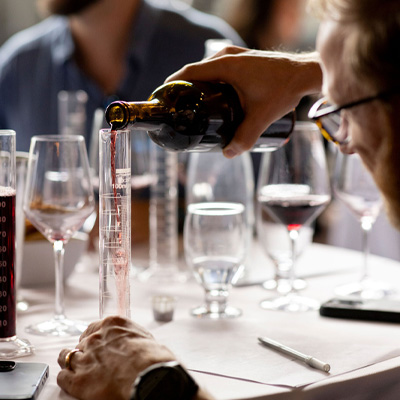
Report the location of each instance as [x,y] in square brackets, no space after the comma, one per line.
[68,358]
[213,69]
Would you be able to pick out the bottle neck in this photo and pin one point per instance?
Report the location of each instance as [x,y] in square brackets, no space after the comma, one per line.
[120,114]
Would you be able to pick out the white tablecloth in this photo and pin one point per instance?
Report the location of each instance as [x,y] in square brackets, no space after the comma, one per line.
[364,355]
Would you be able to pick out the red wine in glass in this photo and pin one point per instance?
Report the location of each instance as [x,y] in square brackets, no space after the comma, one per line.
[294,212]
[294,189]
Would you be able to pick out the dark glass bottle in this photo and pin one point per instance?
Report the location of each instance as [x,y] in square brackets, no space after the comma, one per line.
[198,116]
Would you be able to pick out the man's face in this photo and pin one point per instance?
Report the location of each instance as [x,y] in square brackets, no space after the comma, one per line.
[64,7]
[368,125]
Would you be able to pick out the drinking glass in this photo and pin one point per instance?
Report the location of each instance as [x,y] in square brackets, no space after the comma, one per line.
[211,177]
[58,199]
[115,222]
[10,344]
[215,247]
[293,189]
[275,242]
[21,168]
[141,181]
[163,218]
[354,186]
[72,112]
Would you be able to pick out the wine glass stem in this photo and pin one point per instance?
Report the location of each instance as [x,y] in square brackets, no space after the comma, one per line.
[293,235]
[58,248]
[366,228]
[216,300]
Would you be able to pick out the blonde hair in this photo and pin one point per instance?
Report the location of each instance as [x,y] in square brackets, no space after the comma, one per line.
[373,47]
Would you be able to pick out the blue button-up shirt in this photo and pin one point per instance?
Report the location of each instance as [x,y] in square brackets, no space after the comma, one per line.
[38,62]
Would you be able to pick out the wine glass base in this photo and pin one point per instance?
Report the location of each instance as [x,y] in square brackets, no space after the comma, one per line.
[205,312]
[283,285]
[367,289]
[57,327]
[290,303]
[15,347]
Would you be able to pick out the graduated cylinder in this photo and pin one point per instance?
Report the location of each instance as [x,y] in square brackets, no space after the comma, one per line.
[115,222]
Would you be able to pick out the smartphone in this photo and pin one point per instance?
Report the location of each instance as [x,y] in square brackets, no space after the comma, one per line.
[369,310]
[22,380]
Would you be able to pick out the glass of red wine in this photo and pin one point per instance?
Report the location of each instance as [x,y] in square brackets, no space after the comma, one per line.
[293,189]
[354,187]
[10,344]
[58,200]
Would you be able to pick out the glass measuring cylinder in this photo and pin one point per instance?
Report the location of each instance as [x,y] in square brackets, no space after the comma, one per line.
[115,222]
[163,215]
[10,345]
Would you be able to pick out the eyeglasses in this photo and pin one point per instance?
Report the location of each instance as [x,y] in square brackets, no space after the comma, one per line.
[328,116]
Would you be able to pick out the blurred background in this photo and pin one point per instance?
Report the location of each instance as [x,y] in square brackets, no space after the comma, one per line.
[19,14]
[263,24]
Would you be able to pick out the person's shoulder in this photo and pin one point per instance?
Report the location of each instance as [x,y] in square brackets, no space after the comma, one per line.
[36,38]
[178,17]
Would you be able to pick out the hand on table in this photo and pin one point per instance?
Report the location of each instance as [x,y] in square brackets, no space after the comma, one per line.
[269,85]
[113,352]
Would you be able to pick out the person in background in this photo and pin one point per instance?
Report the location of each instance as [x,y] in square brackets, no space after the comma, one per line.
[268,24]
[357,70]
[109,48]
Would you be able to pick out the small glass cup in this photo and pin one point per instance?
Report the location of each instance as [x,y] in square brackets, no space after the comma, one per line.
[163,307]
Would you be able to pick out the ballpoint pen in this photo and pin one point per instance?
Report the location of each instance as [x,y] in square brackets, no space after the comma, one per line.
[311,361]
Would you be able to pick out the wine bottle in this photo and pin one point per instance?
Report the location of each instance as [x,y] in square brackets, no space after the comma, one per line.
[193,116]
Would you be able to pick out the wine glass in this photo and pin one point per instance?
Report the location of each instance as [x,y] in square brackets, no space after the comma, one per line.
[353,186]
[58,199]
[293,189]
[211,177]
[274,240]
[215,247]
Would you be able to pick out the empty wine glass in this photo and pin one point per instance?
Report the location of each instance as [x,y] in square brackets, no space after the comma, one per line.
[211,177]
[215,247]
[293,188]
[354,186]
[58,199]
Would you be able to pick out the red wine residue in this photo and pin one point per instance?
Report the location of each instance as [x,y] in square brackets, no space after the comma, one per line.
[121,265]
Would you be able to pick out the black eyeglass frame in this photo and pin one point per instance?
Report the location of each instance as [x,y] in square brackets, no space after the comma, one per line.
[316,114]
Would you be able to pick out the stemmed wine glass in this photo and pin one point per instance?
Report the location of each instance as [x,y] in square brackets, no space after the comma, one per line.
[211,177]
[273,239]
[354,186]
[293,188]
[58,199]
[215,247]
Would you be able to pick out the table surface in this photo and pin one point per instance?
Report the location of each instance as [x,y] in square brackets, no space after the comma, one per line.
[367,366]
